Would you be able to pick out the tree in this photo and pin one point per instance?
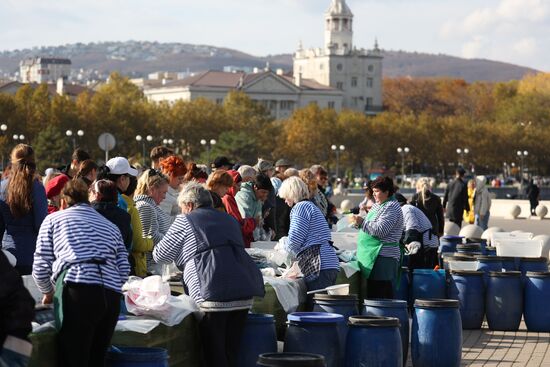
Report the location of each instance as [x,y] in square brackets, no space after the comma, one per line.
[50,147]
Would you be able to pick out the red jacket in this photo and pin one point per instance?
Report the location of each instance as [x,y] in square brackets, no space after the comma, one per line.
[248,224]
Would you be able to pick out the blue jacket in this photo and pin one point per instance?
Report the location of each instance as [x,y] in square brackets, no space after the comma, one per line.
[20,233]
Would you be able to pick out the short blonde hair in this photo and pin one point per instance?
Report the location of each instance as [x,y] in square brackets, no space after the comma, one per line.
[294,189]
[291,172]
[150,179]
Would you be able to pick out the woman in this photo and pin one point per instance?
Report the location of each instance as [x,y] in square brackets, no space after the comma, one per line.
[430,204]
[140,245]
[309,237]
[247,224]
[22,209]
[174,169]
[84,255]
[103,198]
[378,250]
[87,171]
[151,190]
[118,170]
[469,215]
[194,173]
[218,184]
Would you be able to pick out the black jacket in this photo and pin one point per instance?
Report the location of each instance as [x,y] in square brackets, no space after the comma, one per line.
[433,209]
[118,217]
[456,200]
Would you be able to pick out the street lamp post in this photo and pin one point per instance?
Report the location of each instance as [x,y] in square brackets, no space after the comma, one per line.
[403,152]
[522,155]
[3,129]
[208,148]
[461,153]
[139,138]
[338,149]
[20,137]
[70,134]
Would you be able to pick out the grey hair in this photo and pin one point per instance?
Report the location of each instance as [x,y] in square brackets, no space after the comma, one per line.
[247,172]
[291,172]
[196,194]
[294,189]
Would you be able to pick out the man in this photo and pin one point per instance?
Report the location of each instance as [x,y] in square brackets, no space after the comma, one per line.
[158,154]
[456,196]
[218,273]
[250,200]
[282,165]
[418,230]
[222,163]
[78,157]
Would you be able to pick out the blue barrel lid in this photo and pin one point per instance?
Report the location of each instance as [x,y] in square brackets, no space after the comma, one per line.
[505,274]
[315,317]
[534,259]
[488,258]
[259,318]
[537,274]
[373,321]
[451,237]
[436,303]
[291,360]
[389,303]
[467,272]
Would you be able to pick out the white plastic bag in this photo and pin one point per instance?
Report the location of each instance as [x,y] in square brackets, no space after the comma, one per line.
[151,297]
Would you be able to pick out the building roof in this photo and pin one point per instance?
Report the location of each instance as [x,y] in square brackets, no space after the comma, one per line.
[45,60]
[221,79]
[71,90]
[339,7]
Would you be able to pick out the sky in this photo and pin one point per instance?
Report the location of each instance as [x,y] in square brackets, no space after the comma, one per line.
[513,31]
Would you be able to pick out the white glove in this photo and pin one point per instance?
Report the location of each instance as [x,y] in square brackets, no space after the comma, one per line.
[413,247]
[11,258]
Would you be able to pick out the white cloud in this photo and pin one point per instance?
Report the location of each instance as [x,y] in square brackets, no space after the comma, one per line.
[475,47]
[478,20]
[518,10]
[526,46]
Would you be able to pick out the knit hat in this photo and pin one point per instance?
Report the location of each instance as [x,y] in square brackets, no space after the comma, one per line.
[55,185]
[263,166]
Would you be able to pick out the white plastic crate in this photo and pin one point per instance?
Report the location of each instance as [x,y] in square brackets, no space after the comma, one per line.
[519,248]
[462,265]
[497,236]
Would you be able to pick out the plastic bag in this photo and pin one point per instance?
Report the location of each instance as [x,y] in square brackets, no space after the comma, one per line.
[151,297]
[293,272]
[346,225]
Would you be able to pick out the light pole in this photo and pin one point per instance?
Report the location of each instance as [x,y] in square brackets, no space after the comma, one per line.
[338,149]
[20,137]
[70,134]
[461,153]
[208,147]
[403,152]
[139,138]
[522,156]
[3,129]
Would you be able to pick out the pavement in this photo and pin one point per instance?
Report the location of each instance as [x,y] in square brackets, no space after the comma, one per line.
[485,347]
[535,226]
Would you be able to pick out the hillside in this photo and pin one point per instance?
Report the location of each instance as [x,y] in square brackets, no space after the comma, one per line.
[133,58]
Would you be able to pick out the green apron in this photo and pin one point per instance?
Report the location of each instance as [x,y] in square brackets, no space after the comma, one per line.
[369,246]
[58,299]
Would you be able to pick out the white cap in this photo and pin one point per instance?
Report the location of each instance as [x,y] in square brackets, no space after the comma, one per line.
[121,166]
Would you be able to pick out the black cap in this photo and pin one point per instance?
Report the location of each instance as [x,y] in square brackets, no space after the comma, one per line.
[221,161]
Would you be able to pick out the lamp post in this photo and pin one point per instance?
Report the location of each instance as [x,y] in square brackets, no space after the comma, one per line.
[403,152]
[338,149]
[461,153]
[522,155]
[20,137]
[139,139]
[70,134]
[208,148]
[3,129]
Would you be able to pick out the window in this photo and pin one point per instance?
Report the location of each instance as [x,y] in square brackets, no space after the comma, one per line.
[339,67]
[287,105]
[354,81]
[369,101]
[340,85]
[219,101]
[370,82]
[331,104]
[345,45]
[321,66]
[371,68]
[355,101]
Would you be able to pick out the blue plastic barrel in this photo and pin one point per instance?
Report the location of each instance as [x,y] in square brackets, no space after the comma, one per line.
[504,300]
[487,264]
[533,264]
[509,263]
[343,305]
[259,336]
[469,249]
[469,289]
[136,357]
[373,342]
[291,360]
[315,332]
[392,308]
[436,338]
[448,243]
[537,294]
[428,283]
[403,292]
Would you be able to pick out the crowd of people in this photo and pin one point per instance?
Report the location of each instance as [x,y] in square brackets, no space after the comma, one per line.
[81,230]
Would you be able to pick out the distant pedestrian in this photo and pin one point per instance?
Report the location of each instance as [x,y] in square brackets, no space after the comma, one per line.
[469,215]
[456,198]
[430,204]
[533,194]
[482,203]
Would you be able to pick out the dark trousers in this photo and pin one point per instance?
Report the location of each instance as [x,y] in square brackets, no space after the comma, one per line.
[90,314]
[379,289]
[221,334]
[425,258]
[325,279]
[534,204]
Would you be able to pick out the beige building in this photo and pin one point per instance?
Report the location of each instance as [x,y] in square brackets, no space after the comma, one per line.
[281,94]
[339,64]
[44,70]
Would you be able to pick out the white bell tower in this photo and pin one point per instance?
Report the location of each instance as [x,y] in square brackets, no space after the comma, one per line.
[339,28]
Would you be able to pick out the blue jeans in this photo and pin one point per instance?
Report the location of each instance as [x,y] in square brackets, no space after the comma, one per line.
[482,222]
[326,279]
